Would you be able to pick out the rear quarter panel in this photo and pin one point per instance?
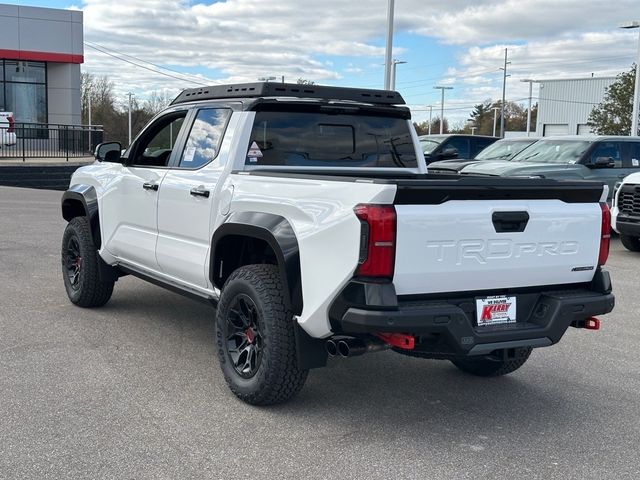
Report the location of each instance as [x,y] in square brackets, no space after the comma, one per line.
[328,232]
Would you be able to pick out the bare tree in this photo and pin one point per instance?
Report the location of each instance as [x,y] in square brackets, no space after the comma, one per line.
[157,102]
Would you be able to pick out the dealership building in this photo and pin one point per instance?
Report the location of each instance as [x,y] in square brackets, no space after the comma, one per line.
[564,105]
[40,56]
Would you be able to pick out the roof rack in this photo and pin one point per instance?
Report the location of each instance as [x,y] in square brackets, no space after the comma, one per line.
[272,89]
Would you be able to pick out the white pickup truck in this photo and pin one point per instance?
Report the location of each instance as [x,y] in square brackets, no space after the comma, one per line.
[307,216]
[626,212]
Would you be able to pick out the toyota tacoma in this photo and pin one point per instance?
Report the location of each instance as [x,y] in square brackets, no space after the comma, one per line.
[307,216]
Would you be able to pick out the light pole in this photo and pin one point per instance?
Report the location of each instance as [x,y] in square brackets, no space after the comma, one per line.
[442,89]
[430,113]
[388,53]
[531,82]
[130,95]
[393,72]
[504,90]
[495,119]
[636,90]
[473,130]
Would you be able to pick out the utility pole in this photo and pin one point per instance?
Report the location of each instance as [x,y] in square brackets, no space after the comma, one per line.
[393,73]
[636,90]
[495,119]
[388,54]
[430,112]
[442,89]
[530,101]
[504,91]
[89,115]
[130,95]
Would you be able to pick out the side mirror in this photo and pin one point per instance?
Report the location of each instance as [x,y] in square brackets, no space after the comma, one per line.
[604,162]
[449,152]
[108,152]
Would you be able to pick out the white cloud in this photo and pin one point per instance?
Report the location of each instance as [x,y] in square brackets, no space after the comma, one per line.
[248,39]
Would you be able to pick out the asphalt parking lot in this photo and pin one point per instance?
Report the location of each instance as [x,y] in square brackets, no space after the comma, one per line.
[133,390]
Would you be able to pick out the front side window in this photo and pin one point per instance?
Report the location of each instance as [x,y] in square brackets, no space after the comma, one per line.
[205,137]
[154,147]
[461,144]
[316,139]
[607,150]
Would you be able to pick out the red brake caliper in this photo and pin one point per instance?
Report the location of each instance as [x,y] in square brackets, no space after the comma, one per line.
[250,335]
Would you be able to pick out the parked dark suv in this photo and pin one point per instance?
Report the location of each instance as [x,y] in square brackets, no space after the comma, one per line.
[442,147]
[602,158]
[504,149]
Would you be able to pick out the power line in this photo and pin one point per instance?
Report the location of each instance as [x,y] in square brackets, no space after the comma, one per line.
[146,68]
[149,63]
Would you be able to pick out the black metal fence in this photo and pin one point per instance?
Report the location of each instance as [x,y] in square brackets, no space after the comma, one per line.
[46,140]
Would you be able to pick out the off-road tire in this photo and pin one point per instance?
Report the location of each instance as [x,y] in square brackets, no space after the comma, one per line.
[88,290]
[489,367]
[277,378]
[630,243]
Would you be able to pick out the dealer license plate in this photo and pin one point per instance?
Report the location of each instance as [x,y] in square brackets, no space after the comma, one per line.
[495,310]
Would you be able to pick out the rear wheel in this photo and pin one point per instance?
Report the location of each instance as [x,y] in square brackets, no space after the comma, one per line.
[494,366]
[255,337]
[630,243]
[80,266]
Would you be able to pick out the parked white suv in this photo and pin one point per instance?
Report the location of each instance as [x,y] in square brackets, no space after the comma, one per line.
[306,214]
[7,129]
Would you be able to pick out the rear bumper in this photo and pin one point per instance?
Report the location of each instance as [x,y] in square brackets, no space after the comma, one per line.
[448,327]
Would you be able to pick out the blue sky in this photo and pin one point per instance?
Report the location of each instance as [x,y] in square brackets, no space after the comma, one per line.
[458,43]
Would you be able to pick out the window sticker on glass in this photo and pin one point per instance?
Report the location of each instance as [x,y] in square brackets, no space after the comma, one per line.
[189,153]
[254,153]
[635,162]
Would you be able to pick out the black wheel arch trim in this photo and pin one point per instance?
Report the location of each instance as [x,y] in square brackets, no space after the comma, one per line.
[82,200]
[277,232]
[86,197]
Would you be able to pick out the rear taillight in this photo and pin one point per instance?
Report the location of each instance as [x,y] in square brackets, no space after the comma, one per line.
[605,235]
[11,128]
[377,240]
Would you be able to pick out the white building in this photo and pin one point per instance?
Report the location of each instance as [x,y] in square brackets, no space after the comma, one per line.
[564,105]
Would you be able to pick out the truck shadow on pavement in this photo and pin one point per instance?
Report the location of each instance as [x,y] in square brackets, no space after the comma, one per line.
[380,393]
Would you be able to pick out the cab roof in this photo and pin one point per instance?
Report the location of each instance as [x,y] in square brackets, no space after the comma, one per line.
[289,90]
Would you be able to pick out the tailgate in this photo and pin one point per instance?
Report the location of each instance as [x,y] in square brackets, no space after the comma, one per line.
[491,243]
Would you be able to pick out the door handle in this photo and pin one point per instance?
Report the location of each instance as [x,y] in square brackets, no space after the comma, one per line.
[150,186]
[510,222]
[199,192]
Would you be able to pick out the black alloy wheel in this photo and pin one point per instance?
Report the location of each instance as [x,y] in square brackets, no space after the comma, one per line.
[244,336]
[73,262]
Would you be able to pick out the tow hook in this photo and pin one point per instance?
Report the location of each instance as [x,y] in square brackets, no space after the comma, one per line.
[591,323]
[398,340]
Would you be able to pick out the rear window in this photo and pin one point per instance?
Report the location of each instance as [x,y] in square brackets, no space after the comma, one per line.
[312,139]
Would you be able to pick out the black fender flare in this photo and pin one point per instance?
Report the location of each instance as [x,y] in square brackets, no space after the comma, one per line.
[277,232]
[80,200]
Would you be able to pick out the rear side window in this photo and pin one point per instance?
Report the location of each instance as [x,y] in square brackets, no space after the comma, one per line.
[311,139]
[634,155]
